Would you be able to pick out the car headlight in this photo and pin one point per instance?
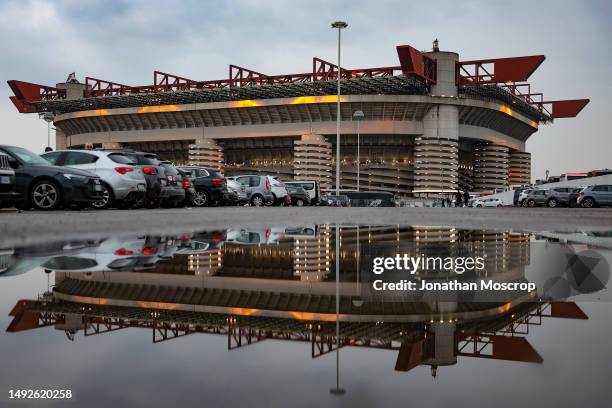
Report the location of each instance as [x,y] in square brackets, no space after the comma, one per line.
[74,177]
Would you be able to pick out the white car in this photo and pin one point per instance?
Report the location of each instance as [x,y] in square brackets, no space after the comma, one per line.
[239,189]
[279,190]
[487,202]
[122,180]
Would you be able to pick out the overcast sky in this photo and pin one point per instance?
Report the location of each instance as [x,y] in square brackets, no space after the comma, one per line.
[124,41]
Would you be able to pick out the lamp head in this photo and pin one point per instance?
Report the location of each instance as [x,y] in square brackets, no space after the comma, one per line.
[339,24]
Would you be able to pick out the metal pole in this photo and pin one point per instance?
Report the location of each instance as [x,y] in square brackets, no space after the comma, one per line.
[48,134]
[358,155]
[338,122]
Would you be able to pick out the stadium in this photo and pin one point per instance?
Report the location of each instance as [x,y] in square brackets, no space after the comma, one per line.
[431,125]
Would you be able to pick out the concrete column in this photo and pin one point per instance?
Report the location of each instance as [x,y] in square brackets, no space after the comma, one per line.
[74,90]
[519,168]
[444,345]
[312,160]
[490,166]
[206,152]
[61,141]
[436,153]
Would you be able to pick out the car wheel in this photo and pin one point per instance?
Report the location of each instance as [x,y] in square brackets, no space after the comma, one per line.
[201,199]
[531,203]
[45,195]
[479,206]
[588,202]
[524,203]
[299,203]
[552,203]
[257,200]
[273,202]
[499,205]
[107,198]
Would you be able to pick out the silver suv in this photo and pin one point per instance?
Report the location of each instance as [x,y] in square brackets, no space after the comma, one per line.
[597,195]
[258,189]
[122,182]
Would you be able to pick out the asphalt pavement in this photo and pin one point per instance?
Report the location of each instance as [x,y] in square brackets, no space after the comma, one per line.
[38,226]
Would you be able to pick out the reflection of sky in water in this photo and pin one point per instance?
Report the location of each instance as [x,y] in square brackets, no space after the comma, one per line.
[124,367]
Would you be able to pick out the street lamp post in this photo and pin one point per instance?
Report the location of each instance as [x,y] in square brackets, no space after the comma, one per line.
[47,117]
[358,115]
[339,25]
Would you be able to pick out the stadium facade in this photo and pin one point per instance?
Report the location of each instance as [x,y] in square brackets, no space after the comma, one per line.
[431,125]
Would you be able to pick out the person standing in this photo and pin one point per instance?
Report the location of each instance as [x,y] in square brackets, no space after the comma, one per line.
[466,198]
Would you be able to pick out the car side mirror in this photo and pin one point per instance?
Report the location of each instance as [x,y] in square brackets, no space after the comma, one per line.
[13,162]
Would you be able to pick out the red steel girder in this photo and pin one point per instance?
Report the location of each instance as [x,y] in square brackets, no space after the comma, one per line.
[239,76]
[569,108]
[415,63]
[163,81]
[27,91]
[498,70]
[509,348]
[100,87]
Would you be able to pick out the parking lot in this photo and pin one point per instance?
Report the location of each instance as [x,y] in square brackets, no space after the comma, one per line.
[35,226]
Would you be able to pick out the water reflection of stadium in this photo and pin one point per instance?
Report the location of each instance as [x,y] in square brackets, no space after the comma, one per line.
[285,288]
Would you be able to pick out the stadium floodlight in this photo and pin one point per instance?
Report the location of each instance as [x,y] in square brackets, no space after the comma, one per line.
[339,25]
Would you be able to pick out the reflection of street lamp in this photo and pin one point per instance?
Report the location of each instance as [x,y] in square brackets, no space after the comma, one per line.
[358,115]
[339,25]
[47,117]
[358,302]
[337,390]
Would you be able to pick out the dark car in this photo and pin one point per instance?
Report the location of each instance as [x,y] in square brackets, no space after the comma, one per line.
[7,180]
[155,177]
[336,201]
[187,183]
[46,187]
[371,199]
[299,196]
[210,186]
[175,194]
[567,196]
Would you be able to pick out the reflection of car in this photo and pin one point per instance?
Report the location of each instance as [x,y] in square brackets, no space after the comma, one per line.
[7,180]
[487,202]
[258,189]
[266,235]
[121,181]
[301,232]
[597,195]
[210,186]
[47,187]
[201,242]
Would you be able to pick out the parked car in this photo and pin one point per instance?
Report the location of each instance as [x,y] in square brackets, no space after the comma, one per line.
[257,187]
[7,181]
[155,175]
[596,195]
[210,186]
[371,199]
[487,202]
[236,193]
[122,183]
[312,187]
[336,200]
[47,187]
[520,194]
[279,191]
[187,183]
[299,197]
[175,191]
[535,198]
[557,196]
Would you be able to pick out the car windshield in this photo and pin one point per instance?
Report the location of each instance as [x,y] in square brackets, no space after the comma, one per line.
[27,156]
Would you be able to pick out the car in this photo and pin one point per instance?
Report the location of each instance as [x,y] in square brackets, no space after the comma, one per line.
[236,190]
[566,196]
[155,175]
[520,194]
[535,198]
[312,187]
[187,183]
[487,202]
[258,189]
[331,200]
[210,186]
[7,181]
[175,190]
[47,187]
[279,191]
[371,199]
[299,197]
[595,195]
[122,183]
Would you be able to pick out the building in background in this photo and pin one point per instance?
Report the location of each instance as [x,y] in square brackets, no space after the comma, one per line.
[432,124]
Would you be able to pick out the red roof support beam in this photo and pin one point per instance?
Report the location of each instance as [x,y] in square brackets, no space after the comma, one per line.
[163,81]
[100,87]
[325,71]
[26,92]
[414,63]
[499,70]
[239,76]
[566,109]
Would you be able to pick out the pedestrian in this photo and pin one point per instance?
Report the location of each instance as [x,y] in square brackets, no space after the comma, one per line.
[89,146]
[458,199]
[48,149]
[466,198]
